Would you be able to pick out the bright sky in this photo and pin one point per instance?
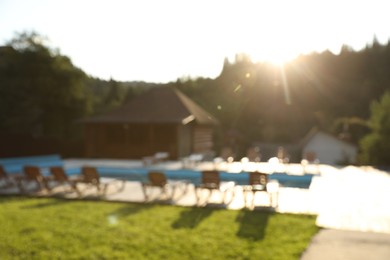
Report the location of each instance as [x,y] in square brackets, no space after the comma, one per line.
[162,40]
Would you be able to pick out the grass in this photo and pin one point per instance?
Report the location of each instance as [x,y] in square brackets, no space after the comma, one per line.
[48,228]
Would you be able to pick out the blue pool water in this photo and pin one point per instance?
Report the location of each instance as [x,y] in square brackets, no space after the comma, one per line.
[140,174]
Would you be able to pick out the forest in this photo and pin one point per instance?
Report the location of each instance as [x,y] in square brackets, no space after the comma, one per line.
[43,95]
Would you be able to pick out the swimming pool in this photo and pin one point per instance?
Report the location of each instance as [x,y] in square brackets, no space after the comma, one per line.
[194,176]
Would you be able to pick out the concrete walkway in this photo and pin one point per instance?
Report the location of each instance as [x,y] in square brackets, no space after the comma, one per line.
[348,245]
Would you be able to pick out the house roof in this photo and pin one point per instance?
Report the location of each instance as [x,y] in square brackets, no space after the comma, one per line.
[158,105]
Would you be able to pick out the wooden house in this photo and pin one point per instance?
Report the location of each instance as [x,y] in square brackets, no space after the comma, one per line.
[161,120]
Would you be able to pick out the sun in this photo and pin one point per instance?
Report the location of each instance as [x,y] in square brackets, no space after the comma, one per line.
[275,48]
[280,58]
[275,56]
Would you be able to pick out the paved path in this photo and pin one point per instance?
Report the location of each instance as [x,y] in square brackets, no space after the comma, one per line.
[348,245]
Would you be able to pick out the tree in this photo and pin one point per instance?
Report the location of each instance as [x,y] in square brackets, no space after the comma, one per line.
[114,96]
[376,145]
[41,92]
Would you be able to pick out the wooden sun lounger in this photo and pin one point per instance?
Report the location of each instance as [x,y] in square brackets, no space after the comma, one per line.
[91,177]
[211,181]
[9,180]
[32,174]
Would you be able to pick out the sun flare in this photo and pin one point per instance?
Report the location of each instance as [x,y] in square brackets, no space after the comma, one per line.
[277,55]
[280,58]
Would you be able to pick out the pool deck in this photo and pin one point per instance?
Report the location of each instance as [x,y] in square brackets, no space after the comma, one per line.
[351,203]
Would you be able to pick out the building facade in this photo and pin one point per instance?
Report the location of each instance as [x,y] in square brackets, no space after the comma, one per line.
[161,120]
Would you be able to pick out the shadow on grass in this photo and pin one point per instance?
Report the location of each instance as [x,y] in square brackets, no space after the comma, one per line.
[191,218]
[47,203]
[130,210]
[252,224]
[5,198]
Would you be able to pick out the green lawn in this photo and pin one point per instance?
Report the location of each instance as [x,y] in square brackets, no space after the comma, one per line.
[47,228]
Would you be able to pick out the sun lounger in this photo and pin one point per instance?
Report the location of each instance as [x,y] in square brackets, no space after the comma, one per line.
[192,160]
[60,177]
[258,182]
[211,181]
[32,174]
[310,159]
[91,177]
[156,158]
[7,180]
[253,154]
[156,180]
